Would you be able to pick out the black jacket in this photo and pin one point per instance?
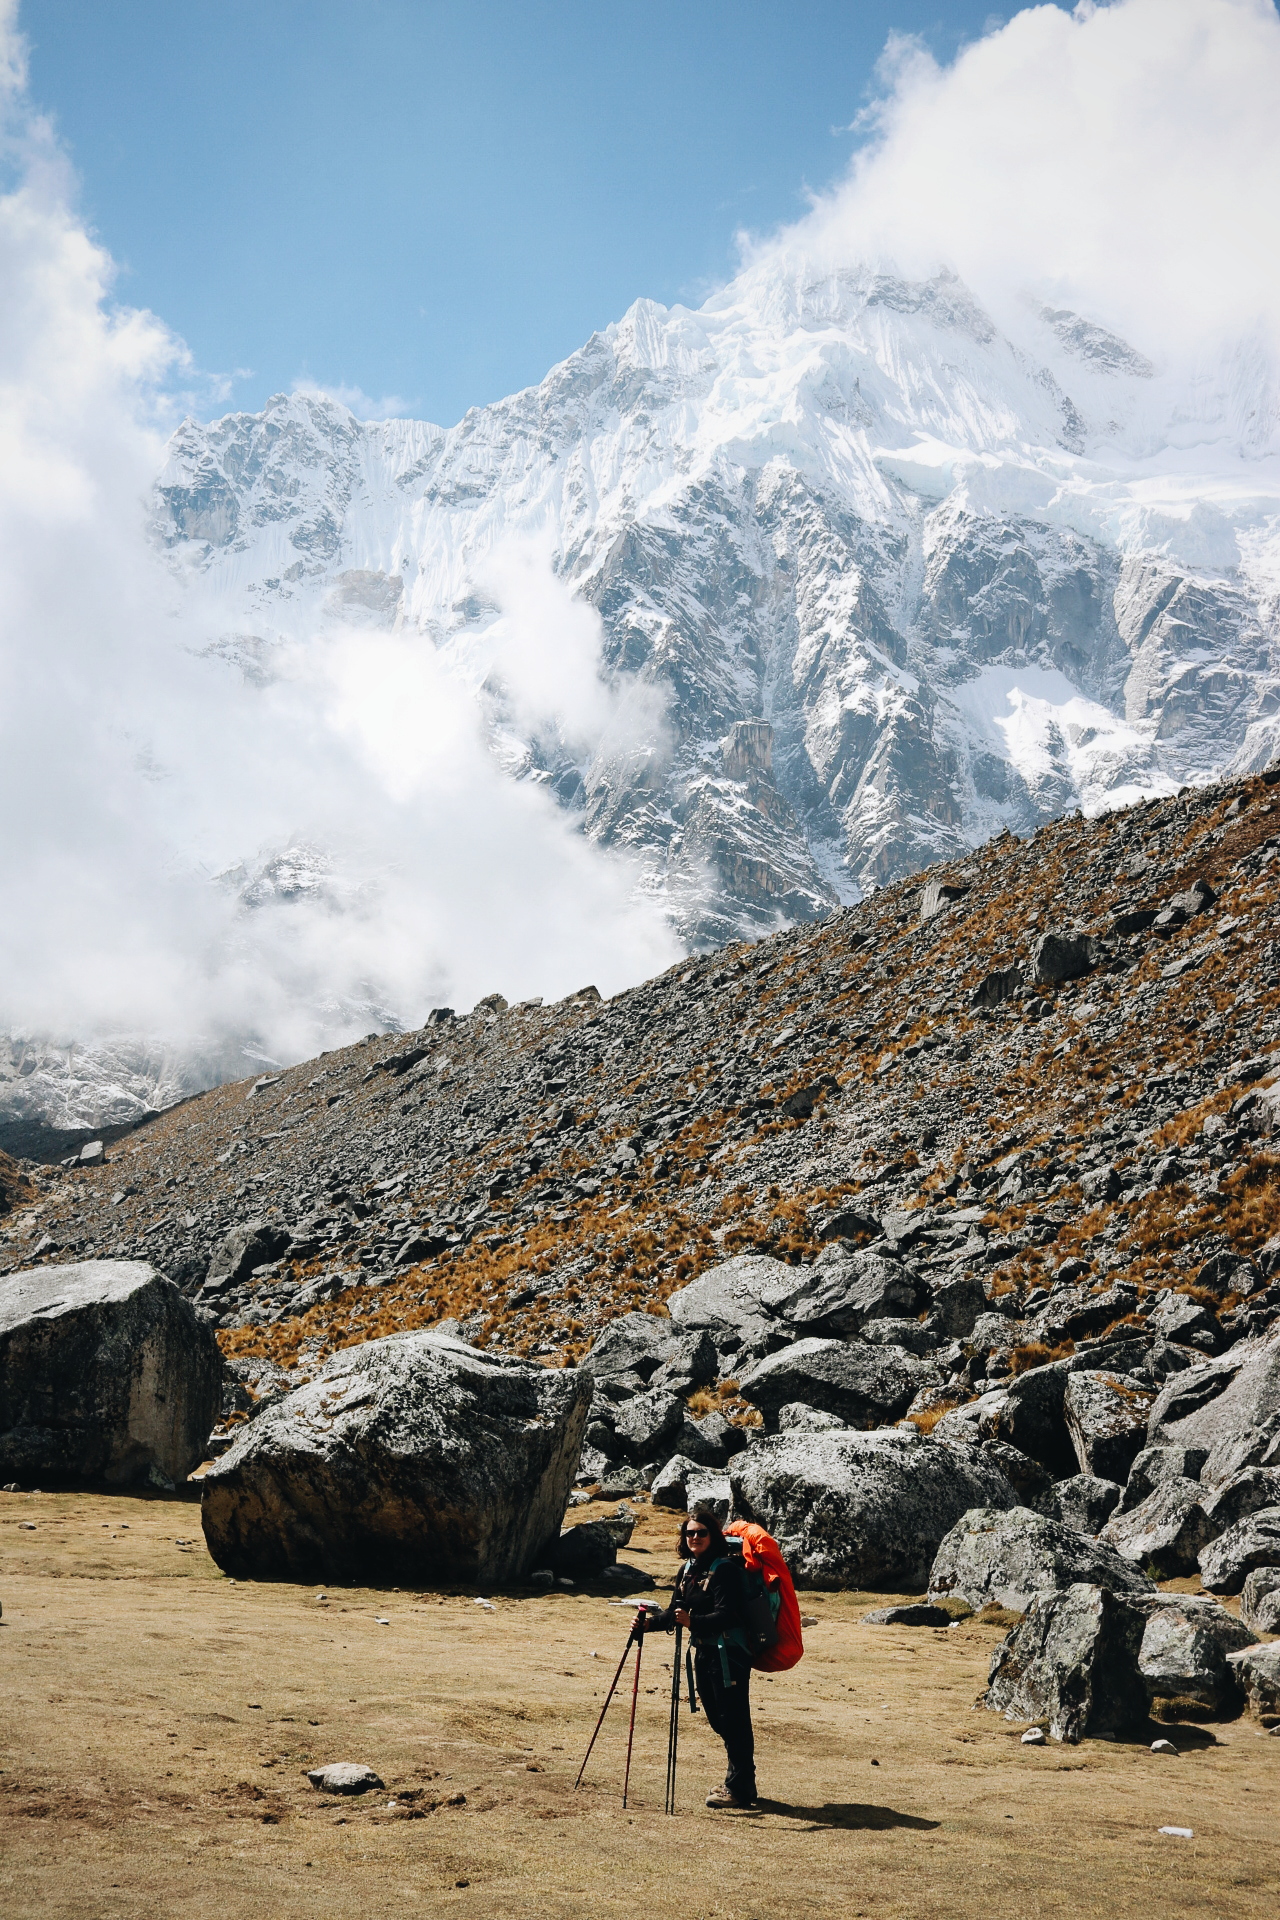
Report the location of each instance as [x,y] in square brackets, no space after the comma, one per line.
[714,1601]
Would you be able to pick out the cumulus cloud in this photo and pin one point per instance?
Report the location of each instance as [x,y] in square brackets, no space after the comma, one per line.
[391,406]
[147,791]
[1122,160]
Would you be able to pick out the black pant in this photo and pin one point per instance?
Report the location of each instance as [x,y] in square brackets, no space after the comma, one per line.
[728,1711]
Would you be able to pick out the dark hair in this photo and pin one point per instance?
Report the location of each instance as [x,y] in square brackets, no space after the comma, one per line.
[717,1545]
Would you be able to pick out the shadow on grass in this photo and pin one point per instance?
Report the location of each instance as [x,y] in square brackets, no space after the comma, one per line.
[850,1814]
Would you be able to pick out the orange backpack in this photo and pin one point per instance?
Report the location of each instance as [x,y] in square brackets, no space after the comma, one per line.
[762,1556]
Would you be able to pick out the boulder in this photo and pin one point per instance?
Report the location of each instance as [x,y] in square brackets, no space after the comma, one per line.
[1155,1464]
[1106,1416]
[1251,1543]
[683,1482]
[106,1375]
[644,1346]
[1260,1600]
[343,1776]
[863,1510]
[1257,1671]
[1187,1322]
[645,1426]
[916,1613]
[1183,1656]
[728,1299]
[840,1292]
[866,1386]
[583,1552]
[797,1417]
[1056,957]
[409,1459]
[956,1305]
[1249,1491]
[1231,1408]
[1010,1557]
[1072,1663]
[1165,1532]
[712,1441]
[254,1244]
[1026,1476]
[1084,1502]
[1027,1413]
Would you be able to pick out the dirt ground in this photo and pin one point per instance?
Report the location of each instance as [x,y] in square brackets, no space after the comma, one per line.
[157,1720]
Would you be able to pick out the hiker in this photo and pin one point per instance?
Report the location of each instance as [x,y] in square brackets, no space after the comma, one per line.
[709,1601]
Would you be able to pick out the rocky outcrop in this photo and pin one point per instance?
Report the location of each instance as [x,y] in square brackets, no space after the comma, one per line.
[1166,1531]
[1084,1502]
[865,1510]
[1011,1557]
[1028,1413]
[408,1458]
[106,1374]
[728,1301]
[1072,1663]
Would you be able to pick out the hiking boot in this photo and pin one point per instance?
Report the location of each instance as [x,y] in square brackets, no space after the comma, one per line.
[721,1797]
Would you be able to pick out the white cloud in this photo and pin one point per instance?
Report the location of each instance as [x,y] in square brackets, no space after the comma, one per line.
[133,771]
[1121,160]
[390,407]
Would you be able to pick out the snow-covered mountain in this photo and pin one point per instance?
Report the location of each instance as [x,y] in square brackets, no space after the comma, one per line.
[902,580]
[875,579]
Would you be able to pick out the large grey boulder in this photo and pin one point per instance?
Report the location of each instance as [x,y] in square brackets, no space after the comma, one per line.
[1260,1600]
[863,1385]
[862,1510]
[727,1301]
[956,1306]
[654,1351]
[253,1244]
[1249,1491]
[1183,1657]
[1257,1671]
[1071,1663]
[682,1483]
[106,1374]
[841,1292]
[1084,1502]
[1165,1532]
[1155,1464]
[1251,1543]
[1027,1412]
[412,1459]
[1106,1419]
[1230,1407]
[644,1426]
[1010,1557]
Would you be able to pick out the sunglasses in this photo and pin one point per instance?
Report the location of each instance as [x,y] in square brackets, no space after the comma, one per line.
[696,1533]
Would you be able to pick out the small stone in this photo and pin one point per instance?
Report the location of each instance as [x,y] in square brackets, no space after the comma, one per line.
[1033,1737]
[1164,1746]
[1179,1833]
[542,1577]
[343,1776]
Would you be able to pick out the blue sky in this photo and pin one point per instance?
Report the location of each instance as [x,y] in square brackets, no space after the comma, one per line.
[436,202]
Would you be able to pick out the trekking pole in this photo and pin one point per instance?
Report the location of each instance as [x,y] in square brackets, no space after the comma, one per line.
[631,1730]
[693,1692]
[673,1730]
[605,1708]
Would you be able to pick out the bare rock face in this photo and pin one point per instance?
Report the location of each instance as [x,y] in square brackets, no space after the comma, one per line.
[412,1458]
[865,1510]
[106,1374]
[1011,1557]
[1072,1663]
[1260,1600]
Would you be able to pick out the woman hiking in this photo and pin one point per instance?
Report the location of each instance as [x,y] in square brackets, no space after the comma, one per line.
[709,1601]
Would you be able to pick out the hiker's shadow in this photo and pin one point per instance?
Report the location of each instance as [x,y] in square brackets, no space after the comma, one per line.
[849,1814]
